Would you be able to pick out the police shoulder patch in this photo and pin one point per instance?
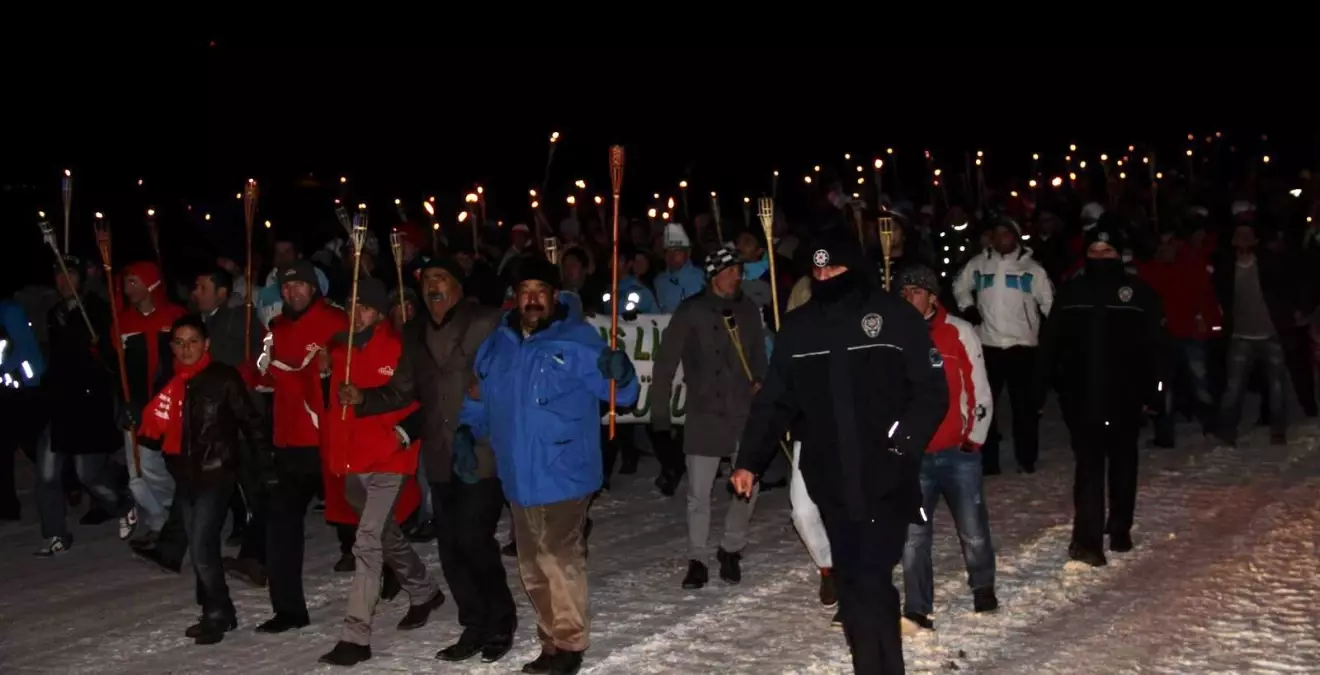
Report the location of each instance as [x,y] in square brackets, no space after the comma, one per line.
[936,359]
[1125,293]
[871,324]
[820,258]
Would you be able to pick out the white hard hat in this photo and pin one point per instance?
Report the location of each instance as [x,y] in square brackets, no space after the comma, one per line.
[676,236]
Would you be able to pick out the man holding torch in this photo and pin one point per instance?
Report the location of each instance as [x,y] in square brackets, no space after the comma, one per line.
[855,371]
[541,377]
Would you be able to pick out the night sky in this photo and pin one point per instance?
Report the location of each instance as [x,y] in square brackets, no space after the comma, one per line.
[194,120]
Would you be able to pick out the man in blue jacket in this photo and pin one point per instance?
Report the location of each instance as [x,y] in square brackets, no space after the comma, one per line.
[21,366]
[681,279]
[541,377]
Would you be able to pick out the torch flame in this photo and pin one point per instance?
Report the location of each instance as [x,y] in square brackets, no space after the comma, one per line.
[481,190]
[397,202]
[532,192]
[151,213]
[665,215]
[980,153]
[937,173]
[68,174]
[1013,194]
[1035,156]
[860,180]
[267,224]
[889,151]
[670,203]
[859,168]
[471,198]
[682,185]
[462,216]
[747,200]
[1072,147]
[1104,158]
[581,184]
[343,179]
[41,214]
[650,213]
[554,137]
[1056,181]
[99,216]
[362,207]
[807,179]
[816,168]
[598,200]
[847,157]
[536,204]
[1032,182]
[139,181]
[435,226]
[1189,153]
[572,200]
[879,163]
[430,210]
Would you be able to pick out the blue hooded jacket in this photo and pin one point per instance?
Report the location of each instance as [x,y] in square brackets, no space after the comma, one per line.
[20,355]
[672,288]
[540,408]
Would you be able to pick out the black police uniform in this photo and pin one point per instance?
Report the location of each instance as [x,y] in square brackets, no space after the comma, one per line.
[1104,350]
[854,372]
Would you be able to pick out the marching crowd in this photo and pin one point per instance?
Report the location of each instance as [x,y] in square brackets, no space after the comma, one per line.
[478,385]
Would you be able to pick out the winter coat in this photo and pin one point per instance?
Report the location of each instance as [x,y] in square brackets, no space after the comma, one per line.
[1276,284]
[225,326]
[434,371]
[294,375]
[859,380]
[21,362]
[217,408]
[719,392]
[672,288]
[540,408]
[1011,293]
[1104,349]
[146,341]
[80,386]
[970,397]
[1187,295]
[269,302]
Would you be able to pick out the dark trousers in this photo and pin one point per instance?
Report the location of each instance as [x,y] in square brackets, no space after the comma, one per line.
[1014,366]
[1244,356]
[624,443]
[865,553]
[346,534]
[1300,356]
[203,515]
[465,520]
[669,450]
[298,473]
[254,535]
[1188,392]
[1103,451]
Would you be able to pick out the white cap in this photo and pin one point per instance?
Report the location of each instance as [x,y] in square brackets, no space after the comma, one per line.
[1242,206]
[1092,211]
[676,236]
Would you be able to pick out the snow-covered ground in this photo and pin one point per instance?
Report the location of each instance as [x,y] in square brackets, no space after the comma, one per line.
[1225,578]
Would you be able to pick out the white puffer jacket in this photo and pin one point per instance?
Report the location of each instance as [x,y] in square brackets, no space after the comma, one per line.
[1011,293]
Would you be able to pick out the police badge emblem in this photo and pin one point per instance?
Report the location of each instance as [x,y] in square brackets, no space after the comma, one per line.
[820,258]
[1125,293]
[871,324]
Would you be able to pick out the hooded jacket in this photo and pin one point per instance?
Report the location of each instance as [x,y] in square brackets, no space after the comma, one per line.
[293,372]
[1184,286]
[970,398]
[673,287]
[146,337]
[21,363]
[540,408]
[1011,293]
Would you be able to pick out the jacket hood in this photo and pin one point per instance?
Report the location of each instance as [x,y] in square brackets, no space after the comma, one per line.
[149,274]
[1023,253]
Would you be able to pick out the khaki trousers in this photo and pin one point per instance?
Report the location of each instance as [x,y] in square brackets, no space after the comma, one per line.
[553,564]
[379,542]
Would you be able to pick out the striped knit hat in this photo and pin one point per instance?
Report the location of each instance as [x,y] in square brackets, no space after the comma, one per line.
[722,259]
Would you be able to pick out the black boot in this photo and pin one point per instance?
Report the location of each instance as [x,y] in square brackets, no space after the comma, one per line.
[984,600]
[347,563]
[566,663]
[696,575]
[828,597]
[496,647]
[211,631]
[418,615]
[282,623]
[541,665]
[347,654]
[730,569]
[667,482]
[153,556]
[1120,542]
[1092,558]
[915,623]
[469,645]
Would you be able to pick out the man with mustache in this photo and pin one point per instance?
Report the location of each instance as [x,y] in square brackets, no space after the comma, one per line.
[541,377]
[439,347]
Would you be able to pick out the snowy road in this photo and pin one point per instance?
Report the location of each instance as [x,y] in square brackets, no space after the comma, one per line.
[1225,578]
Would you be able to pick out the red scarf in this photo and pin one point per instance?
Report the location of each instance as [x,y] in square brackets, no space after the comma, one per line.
[164,415]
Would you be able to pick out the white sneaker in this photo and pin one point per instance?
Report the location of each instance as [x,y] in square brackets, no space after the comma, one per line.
[127,524]
[54,546]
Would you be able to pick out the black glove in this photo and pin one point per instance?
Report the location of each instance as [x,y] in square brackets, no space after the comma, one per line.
[973,315]
[128,420]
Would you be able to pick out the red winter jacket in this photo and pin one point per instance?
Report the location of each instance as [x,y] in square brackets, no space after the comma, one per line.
[1184,286]
[968,419]
[352,444]
[294,374]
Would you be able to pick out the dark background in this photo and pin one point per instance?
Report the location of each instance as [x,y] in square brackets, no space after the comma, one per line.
[193,119]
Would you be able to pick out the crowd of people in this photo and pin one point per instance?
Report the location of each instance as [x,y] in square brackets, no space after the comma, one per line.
[419,411]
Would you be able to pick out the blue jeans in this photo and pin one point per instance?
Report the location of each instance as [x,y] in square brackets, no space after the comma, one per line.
[1192,381]
[92,473]
[1243,357]
[955,475]
[203,513]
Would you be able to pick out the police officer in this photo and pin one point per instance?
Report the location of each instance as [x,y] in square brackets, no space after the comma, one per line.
[856,376]
[1103,348]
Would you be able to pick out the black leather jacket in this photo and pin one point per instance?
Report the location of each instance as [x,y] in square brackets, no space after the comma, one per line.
[216,409]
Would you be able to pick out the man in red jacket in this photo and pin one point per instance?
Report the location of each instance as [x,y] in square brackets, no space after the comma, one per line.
[289,365]
[144,332]
[1179,275]
[375,464]
[951,466]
